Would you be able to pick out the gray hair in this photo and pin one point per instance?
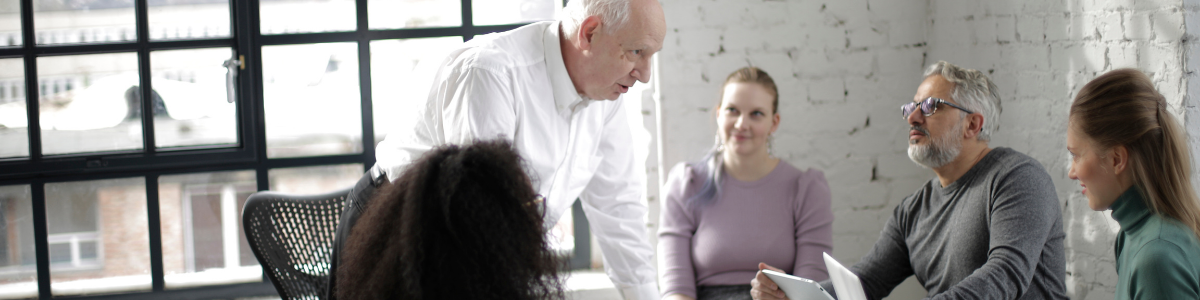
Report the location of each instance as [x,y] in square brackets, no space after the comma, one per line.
[974,91]
[613,14]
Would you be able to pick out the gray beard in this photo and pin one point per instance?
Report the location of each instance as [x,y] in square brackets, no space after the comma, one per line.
[939,152]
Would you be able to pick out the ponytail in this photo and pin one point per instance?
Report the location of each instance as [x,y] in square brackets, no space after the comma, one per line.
[1123,108]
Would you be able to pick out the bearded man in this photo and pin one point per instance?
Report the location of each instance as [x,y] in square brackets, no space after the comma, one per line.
[987,227]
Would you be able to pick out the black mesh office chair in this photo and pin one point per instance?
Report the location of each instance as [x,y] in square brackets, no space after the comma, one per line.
[292,236]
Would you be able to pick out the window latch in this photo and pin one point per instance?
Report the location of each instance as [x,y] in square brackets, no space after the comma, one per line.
[232,66]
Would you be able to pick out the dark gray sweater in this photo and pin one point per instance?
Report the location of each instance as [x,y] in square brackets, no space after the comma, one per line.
[995,233]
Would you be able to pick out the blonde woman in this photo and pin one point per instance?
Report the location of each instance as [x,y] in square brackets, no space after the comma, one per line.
[1130,155]
[739,206]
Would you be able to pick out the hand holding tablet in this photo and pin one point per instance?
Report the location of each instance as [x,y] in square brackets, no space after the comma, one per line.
[797,288]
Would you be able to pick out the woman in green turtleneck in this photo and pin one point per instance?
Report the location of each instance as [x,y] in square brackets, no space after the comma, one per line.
[1130,155]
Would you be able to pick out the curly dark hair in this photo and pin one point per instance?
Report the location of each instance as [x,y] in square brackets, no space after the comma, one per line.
[460,222]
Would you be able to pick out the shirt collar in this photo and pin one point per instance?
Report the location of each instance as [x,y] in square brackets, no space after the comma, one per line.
[1130,209]
[565,96]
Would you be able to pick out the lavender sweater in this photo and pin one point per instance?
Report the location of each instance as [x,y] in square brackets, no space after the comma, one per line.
[783,219]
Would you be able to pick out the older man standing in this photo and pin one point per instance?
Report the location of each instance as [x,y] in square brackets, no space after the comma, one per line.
[542,86]
[987,227]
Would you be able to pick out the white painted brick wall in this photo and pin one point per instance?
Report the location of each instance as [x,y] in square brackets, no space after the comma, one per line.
[841,63]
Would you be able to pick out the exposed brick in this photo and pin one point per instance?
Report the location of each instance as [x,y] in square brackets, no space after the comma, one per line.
[1038,52]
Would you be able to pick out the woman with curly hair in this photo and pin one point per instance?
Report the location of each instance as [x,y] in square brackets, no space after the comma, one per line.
[462,222]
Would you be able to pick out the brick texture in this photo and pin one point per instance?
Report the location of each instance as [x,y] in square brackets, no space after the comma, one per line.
[843,68]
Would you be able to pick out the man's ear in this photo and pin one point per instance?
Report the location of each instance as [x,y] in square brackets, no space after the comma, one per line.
[1118,158]
[974,125]
[587,32]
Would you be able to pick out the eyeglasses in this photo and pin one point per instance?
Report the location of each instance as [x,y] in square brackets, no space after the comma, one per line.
[928,107]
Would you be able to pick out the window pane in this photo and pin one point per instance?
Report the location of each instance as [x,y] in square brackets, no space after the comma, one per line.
[13,117]
[85,21]
[98,236]
[196,109]
[18,261]
[314,180]
[302,16]
[311,100]
[90,103]
[400,72]
[202,238]
[392,14]
[188,19]
[10,23]
[497,12]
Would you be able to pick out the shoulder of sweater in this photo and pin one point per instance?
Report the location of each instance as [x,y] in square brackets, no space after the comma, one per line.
[1008,160]
[1163,231]
[1158,253]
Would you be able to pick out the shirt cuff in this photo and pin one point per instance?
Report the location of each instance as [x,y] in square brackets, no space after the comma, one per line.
[647,291]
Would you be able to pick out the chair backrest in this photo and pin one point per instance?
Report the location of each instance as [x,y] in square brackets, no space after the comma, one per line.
[292,237]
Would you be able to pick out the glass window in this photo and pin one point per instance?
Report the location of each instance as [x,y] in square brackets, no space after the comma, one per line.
[90,103]
[83,21]
[393,14]
[314,180]
[303,16]
[202,238]
[191,85]
[400,77]
[18,261]
[10,23]
[14,129]
[498,12]
[98,236]
[311,100]
[188,19]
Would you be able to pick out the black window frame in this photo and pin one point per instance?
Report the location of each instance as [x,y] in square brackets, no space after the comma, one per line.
[36,170]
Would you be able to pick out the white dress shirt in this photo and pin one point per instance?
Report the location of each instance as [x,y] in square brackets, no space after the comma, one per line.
[515,85]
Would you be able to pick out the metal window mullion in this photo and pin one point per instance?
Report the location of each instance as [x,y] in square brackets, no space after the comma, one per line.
[154,221]
[364,85]
[32,93]
[251,136]
[41,244]
[468,21]
[256,116]
[147,90]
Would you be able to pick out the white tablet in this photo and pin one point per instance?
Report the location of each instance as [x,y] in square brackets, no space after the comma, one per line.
[798,288]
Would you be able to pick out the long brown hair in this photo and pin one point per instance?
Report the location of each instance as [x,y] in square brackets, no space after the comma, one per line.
[1123,108]
[459,221]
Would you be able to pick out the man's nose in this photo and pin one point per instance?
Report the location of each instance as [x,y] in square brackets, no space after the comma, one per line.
[641,71]
[917,117]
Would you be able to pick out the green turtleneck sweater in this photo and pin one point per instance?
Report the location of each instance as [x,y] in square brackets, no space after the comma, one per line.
[1157,257]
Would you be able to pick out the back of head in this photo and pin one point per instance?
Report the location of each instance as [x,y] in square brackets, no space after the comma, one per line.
[1122,108]
[459,222]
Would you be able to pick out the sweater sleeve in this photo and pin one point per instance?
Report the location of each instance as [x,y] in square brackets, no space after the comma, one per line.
[1022,217]
[676,228]
[887,264]
[813,227]
[1161,270]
